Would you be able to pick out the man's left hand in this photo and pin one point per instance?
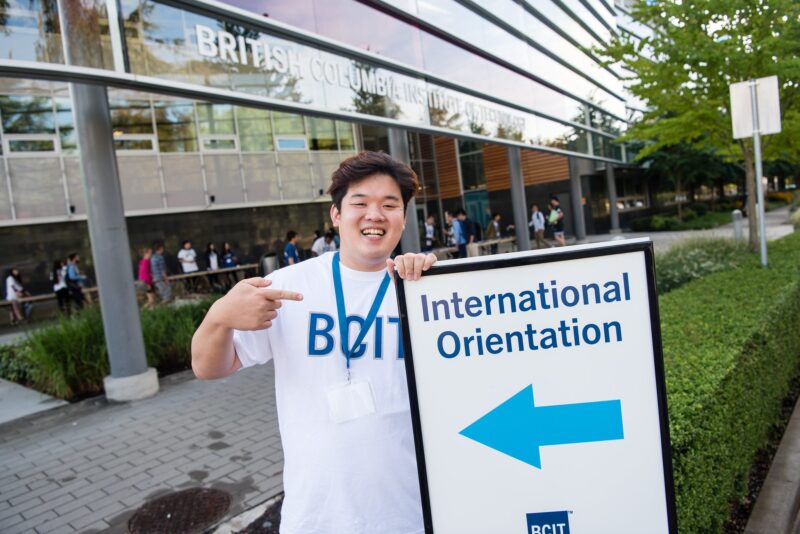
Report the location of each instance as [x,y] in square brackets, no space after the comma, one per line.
[410,266]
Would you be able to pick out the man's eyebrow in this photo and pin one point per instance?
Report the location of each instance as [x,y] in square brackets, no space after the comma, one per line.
[391,197]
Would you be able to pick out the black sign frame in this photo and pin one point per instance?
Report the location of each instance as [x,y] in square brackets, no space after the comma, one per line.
[568,253]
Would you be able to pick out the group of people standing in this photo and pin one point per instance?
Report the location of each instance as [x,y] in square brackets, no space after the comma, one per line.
[327,242]
[554,218]
[461,231]
[153,274]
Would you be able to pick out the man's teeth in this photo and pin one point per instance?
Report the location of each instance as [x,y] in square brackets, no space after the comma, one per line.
[372,231]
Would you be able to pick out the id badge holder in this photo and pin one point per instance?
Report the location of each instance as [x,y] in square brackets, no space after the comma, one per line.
[350,400]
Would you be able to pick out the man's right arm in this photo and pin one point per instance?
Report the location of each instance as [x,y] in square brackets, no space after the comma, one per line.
[250,305]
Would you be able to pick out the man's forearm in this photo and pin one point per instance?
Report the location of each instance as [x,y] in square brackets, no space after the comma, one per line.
[213,354]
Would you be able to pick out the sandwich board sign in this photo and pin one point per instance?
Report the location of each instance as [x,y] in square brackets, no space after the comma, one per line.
[537,393]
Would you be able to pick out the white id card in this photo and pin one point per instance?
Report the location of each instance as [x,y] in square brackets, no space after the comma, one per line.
[350,400]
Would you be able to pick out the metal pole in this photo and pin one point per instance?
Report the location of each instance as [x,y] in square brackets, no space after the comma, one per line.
[576,195]
[611,185]
[518,203]
[398,149]
[759,186]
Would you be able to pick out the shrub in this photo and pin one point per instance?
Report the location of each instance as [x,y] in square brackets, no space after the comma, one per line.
[69,359]
[730,351]
[782,197]
[795,219]
[697,258]
[664,223]
[700,208]
[688,214]
[641,224]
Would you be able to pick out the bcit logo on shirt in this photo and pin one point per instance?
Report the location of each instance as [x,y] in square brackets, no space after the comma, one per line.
[548,523]
[323,336]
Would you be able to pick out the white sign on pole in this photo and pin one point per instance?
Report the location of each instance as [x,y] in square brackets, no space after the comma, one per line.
[537,393]
[769,109]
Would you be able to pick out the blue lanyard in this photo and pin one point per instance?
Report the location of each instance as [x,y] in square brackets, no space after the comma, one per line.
[373,311]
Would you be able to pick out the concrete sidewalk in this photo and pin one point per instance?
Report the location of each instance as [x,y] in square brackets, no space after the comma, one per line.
[89,466]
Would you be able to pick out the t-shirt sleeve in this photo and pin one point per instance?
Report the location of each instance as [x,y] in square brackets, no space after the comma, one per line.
[252,346]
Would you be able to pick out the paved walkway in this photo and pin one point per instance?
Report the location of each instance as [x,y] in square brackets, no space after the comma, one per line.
[89,466]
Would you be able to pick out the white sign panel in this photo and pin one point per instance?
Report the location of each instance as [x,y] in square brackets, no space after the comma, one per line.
[769,109]
[537,393]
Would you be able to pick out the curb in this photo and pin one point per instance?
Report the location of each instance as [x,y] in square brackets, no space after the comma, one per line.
[778,503]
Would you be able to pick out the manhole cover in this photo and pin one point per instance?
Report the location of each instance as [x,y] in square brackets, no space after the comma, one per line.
[183,512]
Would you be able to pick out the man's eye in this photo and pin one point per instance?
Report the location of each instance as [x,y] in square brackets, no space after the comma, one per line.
[390,206]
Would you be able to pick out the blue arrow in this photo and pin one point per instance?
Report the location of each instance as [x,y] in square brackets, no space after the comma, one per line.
[518,428]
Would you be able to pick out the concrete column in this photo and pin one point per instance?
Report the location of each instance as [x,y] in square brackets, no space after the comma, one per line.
[611,185]
[576,195]
[398,149]
[518,202]
[130,378]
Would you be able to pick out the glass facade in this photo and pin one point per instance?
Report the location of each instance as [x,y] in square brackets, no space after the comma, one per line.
[514,71]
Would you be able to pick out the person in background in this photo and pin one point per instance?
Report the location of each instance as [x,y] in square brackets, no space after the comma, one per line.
[75,280]
[58,277]
[430,234]
[290,256]
[459,234]
[229,260]
[212,263]
[188,260]
[14,292]
[323,244]
[146,277]
[537,225]
[495,231]
[556,219]
[158,270]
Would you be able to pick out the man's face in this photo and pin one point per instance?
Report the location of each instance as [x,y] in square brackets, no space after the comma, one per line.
[461,216]
[370,222]
[187,245]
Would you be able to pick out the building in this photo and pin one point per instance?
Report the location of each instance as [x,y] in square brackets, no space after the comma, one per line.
[228,117]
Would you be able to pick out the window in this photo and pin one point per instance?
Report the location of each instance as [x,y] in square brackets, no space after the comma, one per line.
[255,129]
[322,134]
[175,126]
[471,159]
[346,139]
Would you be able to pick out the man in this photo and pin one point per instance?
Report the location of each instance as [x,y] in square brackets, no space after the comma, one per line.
[556,219]
[495,231]
[537,225]
[469,230]
[459,235]
[324,244]
[158,270]
[430,234]
[188,260]
[75,280]
[290,256]
[349,462]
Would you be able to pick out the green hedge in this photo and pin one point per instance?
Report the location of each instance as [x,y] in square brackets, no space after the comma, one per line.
[730,350]
[696,258]
[68,359]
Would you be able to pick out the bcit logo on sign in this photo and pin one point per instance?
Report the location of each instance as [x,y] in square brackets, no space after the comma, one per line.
[548,523]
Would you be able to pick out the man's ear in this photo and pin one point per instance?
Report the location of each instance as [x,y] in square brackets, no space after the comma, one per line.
[335,216]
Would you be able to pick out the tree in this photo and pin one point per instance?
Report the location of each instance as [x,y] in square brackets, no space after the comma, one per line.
[684,68]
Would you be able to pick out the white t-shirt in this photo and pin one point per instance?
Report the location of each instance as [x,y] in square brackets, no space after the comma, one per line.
[213,261]
[359,476]
[320,247]
[12,286]
[188,259]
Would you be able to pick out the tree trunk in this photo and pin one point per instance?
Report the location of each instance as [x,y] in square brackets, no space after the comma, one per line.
[750,180]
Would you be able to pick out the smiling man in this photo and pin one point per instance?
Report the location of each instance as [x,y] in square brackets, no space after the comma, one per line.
[331,326]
